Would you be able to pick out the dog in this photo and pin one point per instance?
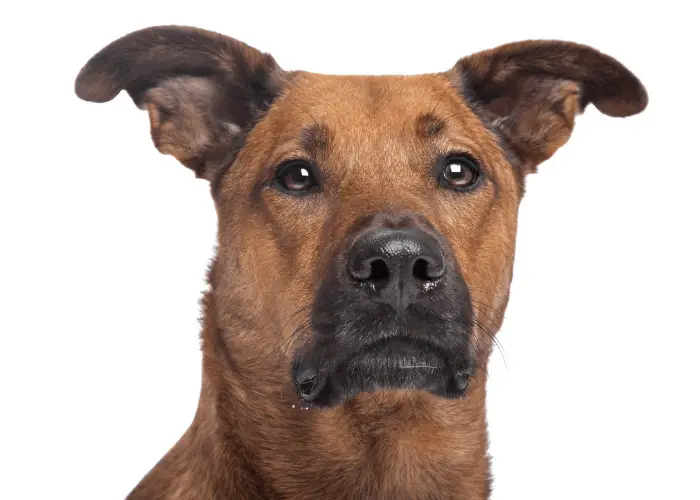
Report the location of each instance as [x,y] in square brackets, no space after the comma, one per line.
[366,227]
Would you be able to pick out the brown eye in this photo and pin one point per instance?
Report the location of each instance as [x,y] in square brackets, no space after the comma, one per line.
[297,178]
[460,172]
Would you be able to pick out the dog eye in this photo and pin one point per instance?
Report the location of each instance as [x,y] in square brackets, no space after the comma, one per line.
[460,172]
[296,177]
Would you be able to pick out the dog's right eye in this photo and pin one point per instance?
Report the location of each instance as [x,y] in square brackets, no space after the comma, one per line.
[296,177]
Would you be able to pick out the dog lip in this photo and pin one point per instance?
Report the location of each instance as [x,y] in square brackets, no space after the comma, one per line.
[398,362]
[308,384]
[461,380]
[408,367]
[402,352]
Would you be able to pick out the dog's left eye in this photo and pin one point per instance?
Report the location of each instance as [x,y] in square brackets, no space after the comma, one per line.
[296,177]
[459,172]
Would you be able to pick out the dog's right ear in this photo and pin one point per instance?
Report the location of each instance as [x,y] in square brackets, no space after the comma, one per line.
[531,92]
[203,91]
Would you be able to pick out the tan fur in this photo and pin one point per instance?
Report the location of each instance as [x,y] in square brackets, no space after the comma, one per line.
[406,445]
[377,137]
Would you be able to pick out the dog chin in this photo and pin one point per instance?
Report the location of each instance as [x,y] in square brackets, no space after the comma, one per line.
[389,364]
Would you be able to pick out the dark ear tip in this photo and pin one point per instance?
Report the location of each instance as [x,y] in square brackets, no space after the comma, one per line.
[630,101]
[94,85]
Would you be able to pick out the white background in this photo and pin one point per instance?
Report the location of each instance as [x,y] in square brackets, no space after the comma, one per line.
[105,242]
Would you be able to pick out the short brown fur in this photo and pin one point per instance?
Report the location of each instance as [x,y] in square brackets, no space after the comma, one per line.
[375,138]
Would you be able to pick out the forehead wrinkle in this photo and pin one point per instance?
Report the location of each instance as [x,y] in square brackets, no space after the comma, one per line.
[315,139]
[428,125]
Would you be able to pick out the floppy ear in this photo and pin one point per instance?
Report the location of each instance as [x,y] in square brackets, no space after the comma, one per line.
[203,91]
[531,91]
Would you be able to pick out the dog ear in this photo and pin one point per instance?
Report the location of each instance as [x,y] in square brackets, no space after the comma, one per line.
[203,91]
[531,91]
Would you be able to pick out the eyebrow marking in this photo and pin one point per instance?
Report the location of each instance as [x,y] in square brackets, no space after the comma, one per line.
[428,125]
[315,139]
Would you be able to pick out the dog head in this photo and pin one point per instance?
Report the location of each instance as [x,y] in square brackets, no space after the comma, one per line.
[366,223]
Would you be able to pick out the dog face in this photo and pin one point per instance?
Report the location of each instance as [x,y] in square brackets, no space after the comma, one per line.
[381,203]
[366,223]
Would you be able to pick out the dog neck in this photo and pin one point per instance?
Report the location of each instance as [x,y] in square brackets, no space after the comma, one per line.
[251,439]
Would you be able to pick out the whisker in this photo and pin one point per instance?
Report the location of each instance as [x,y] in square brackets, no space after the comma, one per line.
[298,311]
[487,317]
[493,338]
[304,327]
[438,101]
[484,304]
[444,120]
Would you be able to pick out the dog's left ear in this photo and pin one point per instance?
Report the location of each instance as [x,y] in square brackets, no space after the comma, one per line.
[531,91]
[203,91]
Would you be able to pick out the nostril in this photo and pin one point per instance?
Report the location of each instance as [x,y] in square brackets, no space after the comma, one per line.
[420,270]
[379,271]
[427,271]
[373,270]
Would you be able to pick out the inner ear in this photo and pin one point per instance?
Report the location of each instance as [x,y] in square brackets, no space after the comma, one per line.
[203,91]
[536,116]
[188,122]
[530,92]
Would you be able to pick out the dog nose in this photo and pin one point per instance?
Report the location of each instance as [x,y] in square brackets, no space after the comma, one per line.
[397,265]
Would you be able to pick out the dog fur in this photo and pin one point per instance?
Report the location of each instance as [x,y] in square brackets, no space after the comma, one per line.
[231,114]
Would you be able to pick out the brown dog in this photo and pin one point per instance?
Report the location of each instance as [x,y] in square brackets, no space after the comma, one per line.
[365,250]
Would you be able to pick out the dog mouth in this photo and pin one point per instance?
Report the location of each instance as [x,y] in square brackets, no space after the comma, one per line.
[394,363]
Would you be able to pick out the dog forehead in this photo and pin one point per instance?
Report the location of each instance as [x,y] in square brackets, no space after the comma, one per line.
[353,119]
[368,90]
[356,102]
